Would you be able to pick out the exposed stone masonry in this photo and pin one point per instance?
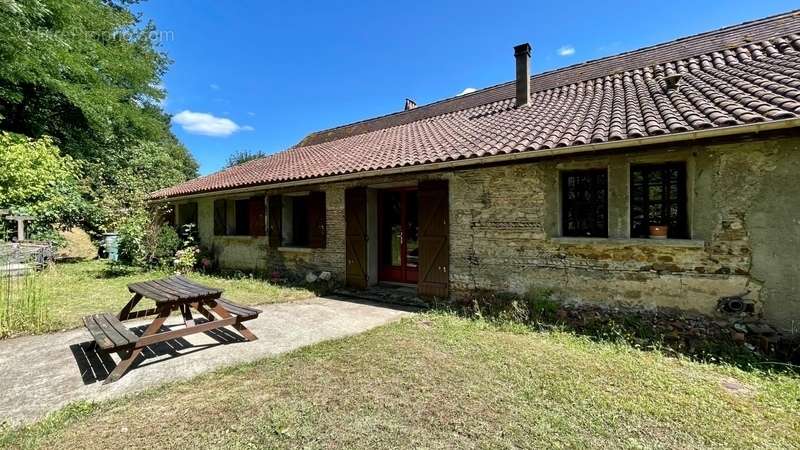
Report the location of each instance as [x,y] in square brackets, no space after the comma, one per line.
[504,233]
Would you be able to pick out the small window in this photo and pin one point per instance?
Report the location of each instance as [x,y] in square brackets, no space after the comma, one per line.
[584,195]
[187,213]
[297,220]
[242,213]
[249,217]
[220,217]
[658,197]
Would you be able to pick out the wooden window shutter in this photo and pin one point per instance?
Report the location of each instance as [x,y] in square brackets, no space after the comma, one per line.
[355,212]
[316,220]
[256,211]
[434,242]
[275,214]
[220,217]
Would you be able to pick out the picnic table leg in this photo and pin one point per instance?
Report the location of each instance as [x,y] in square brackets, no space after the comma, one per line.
[186,312]
[222,312]
[130,357]
[123,315]
[202,310]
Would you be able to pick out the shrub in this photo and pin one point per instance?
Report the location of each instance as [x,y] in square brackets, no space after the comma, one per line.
[145,241]
[186,259]
[188,235]
[165,245]
[132,236]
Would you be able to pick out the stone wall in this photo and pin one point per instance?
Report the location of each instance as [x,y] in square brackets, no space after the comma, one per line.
[506,228]
[249,253]
[744,217]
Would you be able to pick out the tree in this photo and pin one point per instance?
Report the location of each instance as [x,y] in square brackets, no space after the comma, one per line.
[242,156]
[88,73]
[37,180]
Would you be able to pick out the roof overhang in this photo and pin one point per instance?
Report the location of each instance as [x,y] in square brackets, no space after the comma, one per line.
[758,127]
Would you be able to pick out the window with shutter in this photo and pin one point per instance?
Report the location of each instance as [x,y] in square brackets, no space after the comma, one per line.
[297,220]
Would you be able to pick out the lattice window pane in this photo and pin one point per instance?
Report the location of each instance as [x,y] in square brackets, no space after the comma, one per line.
[658,197]
[585,203]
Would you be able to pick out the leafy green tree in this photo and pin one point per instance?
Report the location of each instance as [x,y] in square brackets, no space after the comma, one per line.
[39,181]
[242,156]
[88,74]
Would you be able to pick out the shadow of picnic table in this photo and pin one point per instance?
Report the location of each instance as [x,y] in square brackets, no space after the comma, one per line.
[95,365]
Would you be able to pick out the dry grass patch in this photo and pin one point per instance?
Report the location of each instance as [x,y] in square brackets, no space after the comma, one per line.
[442,382]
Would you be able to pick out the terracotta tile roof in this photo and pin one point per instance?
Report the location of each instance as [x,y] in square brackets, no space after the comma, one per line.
[738,75]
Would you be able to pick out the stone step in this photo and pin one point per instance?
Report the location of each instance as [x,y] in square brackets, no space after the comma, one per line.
[396,295]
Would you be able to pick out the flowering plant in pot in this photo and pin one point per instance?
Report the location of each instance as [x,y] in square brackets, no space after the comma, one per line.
[658,231]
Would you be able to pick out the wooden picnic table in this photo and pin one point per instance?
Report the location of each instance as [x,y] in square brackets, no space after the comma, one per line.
[175,293]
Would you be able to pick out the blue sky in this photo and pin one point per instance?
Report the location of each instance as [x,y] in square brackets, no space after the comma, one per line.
[257,75]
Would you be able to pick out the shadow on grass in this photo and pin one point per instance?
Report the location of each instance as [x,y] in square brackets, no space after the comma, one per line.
[72,260]
[112,271]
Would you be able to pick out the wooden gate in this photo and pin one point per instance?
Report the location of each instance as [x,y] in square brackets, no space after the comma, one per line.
[355,213]
[434,243]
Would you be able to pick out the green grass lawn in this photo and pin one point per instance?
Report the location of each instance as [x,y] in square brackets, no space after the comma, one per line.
[73,290]
[437,381]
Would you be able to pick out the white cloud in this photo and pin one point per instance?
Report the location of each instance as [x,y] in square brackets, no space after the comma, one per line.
[207,124]
[467,91]
[566,50]
[214,86]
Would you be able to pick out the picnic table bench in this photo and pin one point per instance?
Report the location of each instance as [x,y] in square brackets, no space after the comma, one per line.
[169,294]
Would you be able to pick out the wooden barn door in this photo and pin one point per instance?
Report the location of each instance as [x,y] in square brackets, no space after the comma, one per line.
[355,213]
[434,243]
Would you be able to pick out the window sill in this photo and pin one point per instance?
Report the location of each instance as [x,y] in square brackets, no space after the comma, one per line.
[239,237]
[683,243]
[288,249]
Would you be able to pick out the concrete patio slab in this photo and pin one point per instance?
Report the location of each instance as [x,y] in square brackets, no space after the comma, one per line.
[43,373]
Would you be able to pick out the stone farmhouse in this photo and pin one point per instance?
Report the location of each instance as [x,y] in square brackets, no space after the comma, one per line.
[663,177]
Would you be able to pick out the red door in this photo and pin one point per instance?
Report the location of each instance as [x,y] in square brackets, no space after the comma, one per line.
[398,235]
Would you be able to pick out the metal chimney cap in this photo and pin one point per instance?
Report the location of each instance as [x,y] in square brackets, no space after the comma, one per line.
[522,49]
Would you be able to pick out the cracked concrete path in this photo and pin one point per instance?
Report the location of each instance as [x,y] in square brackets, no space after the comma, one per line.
[40,374]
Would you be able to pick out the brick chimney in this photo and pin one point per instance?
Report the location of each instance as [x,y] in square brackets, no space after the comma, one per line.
[522,53]
[410,104]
